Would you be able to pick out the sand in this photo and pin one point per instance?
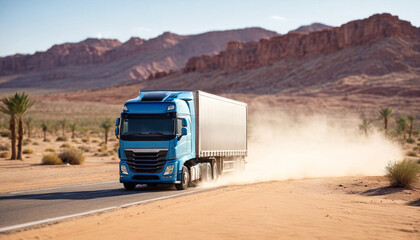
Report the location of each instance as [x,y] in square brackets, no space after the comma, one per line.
[16,175]
[323,208]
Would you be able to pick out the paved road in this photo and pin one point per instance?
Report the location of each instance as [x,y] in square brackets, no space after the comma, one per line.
[28,208]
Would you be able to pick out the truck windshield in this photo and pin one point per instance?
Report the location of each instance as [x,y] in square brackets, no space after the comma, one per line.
[150,126]
[138,127]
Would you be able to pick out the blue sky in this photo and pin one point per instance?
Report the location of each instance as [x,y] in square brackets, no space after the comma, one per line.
[27,26]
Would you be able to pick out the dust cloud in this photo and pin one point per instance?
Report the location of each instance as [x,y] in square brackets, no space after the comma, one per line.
[283,147]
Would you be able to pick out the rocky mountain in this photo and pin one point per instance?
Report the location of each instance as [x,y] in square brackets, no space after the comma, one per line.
[310,28]
[363,64]
[96,63]
[240,55]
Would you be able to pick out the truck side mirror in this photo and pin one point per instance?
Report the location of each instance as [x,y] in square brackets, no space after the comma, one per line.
[117,122]
[184,131]
[184,122]
[117,131]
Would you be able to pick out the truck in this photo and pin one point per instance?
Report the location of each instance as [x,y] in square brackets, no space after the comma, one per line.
[180,137]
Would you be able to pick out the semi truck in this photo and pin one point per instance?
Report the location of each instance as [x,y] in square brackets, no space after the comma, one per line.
[180,137]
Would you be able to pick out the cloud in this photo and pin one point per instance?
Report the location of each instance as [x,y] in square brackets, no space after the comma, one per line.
[278,18]
[99,35]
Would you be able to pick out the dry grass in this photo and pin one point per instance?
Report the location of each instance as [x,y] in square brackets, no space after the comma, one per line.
[61,139]
[4,154]
[28,151]
[72,156]
[49,150]
[65,145]
[4,147]
[411,154]
[403,173]
[51,159]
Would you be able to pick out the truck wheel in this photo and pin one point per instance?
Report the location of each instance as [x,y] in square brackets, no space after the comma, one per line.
[185,178]
[130,186]
[215,171]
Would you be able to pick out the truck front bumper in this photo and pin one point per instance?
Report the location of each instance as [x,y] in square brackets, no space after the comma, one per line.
[143,178]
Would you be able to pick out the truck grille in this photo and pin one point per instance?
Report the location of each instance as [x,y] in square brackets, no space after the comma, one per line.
[146,162]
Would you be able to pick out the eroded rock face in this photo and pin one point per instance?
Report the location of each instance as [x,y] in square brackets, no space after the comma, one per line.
[86,52]
[97,59]
[239,55]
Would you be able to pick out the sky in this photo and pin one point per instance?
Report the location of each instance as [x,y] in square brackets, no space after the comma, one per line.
[27,26]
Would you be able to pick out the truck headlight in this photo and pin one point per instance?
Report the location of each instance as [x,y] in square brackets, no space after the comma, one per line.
[170,107]
[125,109]
[169,169]
[123,169]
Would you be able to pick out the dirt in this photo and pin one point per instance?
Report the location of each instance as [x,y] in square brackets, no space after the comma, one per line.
[29,173]
[322,208]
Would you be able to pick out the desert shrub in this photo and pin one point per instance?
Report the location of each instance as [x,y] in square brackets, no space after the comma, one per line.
[61,139]
[75,141]
[103,151]
[410,140]
[28,151]
[35,143]
[116,147]
[403,173]
[4,154]
[4,147]
[26,142]
[49,150]
[65,145]
[51,159]
[72,156]
[84,148]
[412,154]
[5,134]
[95,140]
[416,148]
[85,140]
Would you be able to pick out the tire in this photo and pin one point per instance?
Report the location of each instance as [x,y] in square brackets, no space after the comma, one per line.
[185,179]
[215,171]
[129,186]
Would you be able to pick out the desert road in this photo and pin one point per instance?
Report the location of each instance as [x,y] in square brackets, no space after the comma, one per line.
[28,208]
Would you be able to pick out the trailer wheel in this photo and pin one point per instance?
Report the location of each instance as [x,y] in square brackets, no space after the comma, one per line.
[130,186]
[215,171]
[185,178]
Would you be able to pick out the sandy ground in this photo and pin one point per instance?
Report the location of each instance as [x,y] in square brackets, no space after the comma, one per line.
[324,208]
[16,175]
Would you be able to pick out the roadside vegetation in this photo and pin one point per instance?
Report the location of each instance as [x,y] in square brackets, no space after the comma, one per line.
[403,173]
[404,130]
[27,134]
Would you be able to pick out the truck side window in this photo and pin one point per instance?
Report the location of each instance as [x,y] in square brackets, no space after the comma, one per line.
[179,126]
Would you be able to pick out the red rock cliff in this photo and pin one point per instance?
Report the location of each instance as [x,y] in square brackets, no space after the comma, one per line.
[85,52]
[239,55]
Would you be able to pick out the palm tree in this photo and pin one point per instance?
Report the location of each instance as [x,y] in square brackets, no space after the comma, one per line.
[28,122]
[22,103]
[62,123]
[9,108]
[73,127]
[411,118]
[44,127]
[365,126]
[106,125]
[385,114]
[402,124]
